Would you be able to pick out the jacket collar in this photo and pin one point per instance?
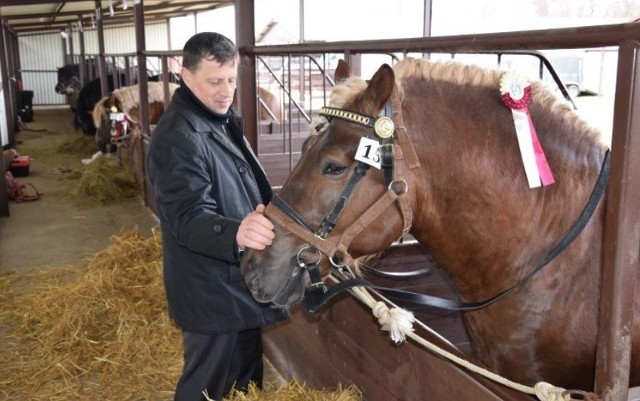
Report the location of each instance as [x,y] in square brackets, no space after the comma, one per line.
[203,120]
[191,98]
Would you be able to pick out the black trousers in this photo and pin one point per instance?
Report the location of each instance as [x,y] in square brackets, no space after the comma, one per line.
[219,363]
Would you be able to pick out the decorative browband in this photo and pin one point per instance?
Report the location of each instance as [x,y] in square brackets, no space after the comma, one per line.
[383,126]
[347,115]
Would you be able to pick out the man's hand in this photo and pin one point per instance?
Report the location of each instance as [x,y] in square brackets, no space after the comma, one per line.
[255,230]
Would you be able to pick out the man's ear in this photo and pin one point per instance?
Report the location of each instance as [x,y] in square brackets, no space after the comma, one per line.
[185,75]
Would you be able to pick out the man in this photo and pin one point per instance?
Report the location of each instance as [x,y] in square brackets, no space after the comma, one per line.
[210,192]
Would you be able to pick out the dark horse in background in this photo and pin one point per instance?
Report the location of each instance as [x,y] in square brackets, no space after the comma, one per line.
[88,96]
[82,99]
[69,83]
[472,209]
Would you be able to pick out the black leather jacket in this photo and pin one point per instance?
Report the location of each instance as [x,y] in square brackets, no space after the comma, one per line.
[203,186]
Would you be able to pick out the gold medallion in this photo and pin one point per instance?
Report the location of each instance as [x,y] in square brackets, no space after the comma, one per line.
[384,127]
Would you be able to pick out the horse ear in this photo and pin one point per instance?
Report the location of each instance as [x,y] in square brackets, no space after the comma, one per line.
[343,71]
[380,87]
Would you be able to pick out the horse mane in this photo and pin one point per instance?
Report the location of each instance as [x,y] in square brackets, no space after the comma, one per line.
[99,110]
[129,96]
[464,75]
[472,75]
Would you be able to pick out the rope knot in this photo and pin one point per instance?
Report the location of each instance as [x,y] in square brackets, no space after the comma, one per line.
[398,322]
[548,392]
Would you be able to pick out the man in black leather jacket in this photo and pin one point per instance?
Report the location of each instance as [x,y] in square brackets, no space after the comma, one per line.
[210,191]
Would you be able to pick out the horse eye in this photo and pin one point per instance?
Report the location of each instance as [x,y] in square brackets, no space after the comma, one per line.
[333,169]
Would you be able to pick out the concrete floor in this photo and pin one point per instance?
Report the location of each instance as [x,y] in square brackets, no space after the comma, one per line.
[55,230]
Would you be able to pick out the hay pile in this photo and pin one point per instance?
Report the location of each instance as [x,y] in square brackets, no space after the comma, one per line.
[101,331]
[78,146]
[104,181]
[296,392]
[96,332]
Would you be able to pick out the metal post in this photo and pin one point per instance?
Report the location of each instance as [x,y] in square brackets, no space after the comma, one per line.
[81,64]
[247,92]
[143,86]
[7,87]
[621,242]
[102,68]
[4,197]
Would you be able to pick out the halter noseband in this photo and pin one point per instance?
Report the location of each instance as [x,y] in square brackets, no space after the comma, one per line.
[115,117]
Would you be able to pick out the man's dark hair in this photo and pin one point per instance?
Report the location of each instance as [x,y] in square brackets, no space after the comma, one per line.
[210,46]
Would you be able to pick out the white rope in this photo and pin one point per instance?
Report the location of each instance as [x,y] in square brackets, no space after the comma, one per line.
[399,323]
[205,393]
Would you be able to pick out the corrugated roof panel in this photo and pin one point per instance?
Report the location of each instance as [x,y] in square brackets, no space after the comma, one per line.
[122,39]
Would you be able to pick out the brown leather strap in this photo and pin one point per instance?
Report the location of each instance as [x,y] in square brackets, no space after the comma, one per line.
[372,213]
[401,132]
[326,246]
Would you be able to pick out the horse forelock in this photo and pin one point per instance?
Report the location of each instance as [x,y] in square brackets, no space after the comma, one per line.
[342,94]
[347,91]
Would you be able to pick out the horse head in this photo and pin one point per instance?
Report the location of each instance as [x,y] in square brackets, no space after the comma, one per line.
[68,79]
[320,211]
[110,121]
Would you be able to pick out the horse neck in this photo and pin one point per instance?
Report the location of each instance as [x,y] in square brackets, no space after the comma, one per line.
[473,207]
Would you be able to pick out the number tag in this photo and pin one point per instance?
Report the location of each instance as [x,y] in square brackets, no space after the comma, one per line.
[116,116]
[369,152]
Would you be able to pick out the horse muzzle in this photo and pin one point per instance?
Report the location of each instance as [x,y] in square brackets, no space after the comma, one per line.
[279,287]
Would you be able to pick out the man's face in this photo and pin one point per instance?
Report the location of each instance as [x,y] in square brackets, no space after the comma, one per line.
[213,84]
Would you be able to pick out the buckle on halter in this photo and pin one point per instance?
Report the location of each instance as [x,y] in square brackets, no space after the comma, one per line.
[319,285]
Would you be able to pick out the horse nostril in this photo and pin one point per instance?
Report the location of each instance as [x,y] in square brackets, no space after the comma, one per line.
[253,281]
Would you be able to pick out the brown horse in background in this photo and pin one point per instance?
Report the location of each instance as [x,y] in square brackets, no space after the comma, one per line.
[269,108]
[472,208]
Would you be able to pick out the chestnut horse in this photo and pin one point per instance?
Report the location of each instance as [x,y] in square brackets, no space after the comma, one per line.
[269,108]
[468,201]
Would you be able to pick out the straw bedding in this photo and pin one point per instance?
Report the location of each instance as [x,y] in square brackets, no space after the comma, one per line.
[97,331]
[101,331]
[294,391]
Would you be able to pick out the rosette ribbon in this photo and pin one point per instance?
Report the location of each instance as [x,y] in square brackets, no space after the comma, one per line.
[515,92]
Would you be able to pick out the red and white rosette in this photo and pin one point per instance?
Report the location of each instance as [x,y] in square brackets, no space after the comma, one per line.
[515,92]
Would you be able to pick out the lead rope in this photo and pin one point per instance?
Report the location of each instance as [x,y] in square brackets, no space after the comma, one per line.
[399,323]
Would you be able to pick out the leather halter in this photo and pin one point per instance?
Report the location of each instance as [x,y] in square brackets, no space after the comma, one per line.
[320,241]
